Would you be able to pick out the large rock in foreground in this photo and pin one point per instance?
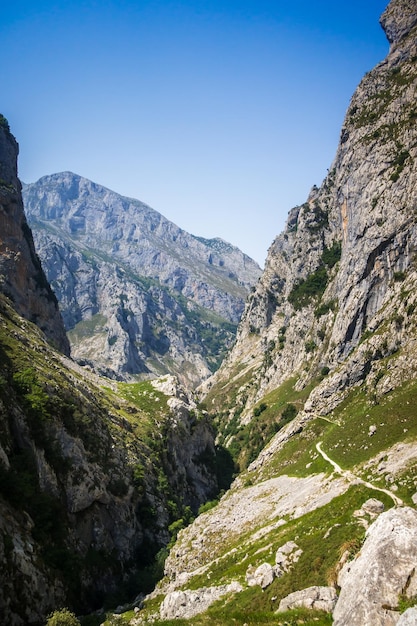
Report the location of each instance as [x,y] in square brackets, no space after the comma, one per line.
[384,570]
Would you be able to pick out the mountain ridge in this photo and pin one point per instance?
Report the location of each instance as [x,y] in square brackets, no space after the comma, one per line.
[139,295]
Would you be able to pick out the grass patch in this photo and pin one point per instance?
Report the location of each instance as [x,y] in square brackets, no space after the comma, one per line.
[87,328]
[220,617]
[323,535]
[394,417]
[145,397]
[271,414]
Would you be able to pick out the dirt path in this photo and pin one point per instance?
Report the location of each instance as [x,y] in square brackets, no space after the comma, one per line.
[353,478]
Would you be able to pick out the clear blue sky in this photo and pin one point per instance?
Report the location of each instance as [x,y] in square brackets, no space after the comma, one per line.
[220,114]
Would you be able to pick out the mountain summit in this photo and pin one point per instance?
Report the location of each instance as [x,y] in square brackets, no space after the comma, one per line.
[139,295]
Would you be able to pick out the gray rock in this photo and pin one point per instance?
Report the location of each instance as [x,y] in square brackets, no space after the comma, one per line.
[318,598]
[372,582]
[140,295]
[187,604]
[373,506]
[408,618]
[22,278]
[286,556]
[263,576]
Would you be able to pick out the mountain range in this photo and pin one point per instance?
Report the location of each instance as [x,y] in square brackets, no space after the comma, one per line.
[139,296]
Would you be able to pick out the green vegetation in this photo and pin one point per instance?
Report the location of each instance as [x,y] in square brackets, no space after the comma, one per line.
[64,617]
[405,602]
[306,290]
[4,123]
[332,255]
[222,616]
[244,442]
[313,287]
[325,307]
[399,163]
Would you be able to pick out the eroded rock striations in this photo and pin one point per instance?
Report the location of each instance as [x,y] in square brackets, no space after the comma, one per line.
[139,295]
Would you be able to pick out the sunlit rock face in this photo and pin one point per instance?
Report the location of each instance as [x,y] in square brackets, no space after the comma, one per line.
[338,269]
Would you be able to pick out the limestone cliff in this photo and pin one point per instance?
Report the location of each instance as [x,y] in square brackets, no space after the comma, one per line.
[139,295]
[21,276]
[344,268]
[316,401]
[92,474]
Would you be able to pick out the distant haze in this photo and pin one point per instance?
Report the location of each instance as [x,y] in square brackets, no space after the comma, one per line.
[221,115]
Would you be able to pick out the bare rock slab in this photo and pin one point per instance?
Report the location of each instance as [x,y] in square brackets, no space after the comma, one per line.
[318,598]
[384,569]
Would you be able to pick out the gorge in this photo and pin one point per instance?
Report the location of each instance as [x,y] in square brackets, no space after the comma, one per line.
[282,489]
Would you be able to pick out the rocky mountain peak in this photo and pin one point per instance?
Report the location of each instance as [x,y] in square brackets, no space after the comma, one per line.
[21,275]
[139,295]
[399,19]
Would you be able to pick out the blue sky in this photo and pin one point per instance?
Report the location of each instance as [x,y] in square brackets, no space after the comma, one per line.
[219,114]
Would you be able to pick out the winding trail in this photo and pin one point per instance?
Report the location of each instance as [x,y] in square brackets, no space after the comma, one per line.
[353,478]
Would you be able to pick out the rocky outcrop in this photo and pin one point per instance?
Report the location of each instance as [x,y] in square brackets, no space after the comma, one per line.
[317,598]
[186,604]
[140,295]
[383,571]
[21,276]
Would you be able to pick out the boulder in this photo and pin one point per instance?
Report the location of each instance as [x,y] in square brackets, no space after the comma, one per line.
[318,598]
[186,604]
[286,555]
[372,583]
[262,576]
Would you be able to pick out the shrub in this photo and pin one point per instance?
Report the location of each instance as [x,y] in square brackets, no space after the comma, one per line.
[260,409]
[332,255]
[288,413]
[304,291]
[63,617]
[207,506]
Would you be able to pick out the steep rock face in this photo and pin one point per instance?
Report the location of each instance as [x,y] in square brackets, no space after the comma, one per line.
[344,265]
[90,476]
[166,301]
[21,276]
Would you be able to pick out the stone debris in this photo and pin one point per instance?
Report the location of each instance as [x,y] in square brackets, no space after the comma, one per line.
[264,575]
